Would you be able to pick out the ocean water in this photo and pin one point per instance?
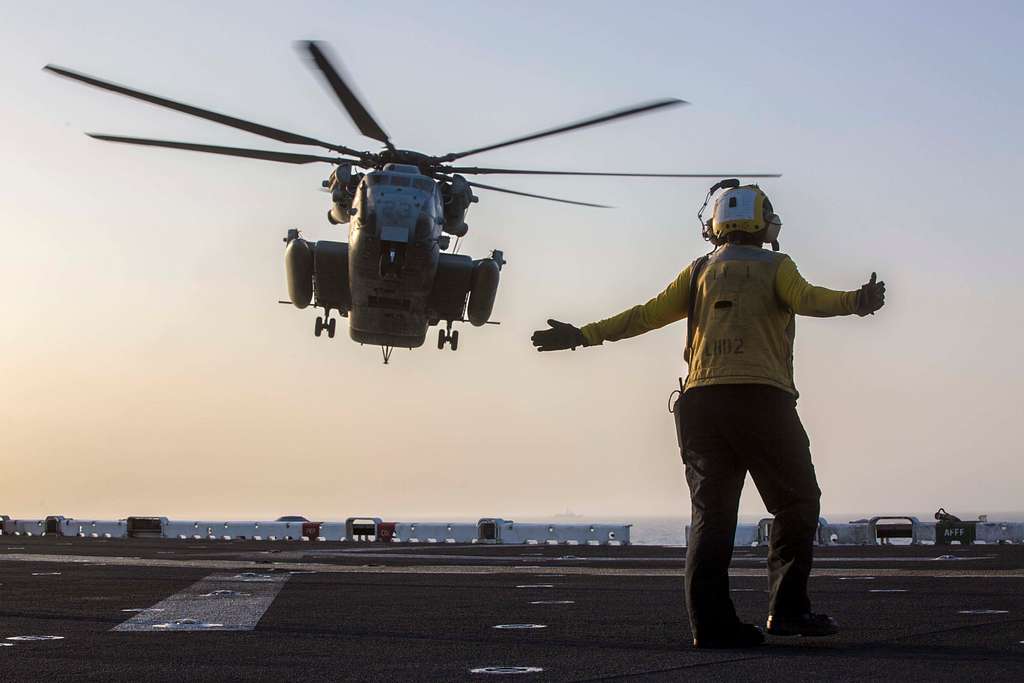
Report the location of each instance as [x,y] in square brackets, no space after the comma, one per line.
[658,530]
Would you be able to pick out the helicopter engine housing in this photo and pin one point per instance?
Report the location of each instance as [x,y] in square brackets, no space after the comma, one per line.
[343,185]
[484,289]
[339,213]
[457,195]
[298,265]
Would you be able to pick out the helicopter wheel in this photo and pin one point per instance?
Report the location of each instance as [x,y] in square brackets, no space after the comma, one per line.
[319,327]
[453,340]
[331,326]
[441,339]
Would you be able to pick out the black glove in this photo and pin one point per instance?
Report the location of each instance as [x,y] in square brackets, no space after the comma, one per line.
[870,297]
[561,336]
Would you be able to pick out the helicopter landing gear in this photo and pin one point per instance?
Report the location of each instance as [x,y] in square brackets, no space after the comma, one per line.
[330,325]
[449,336]
[386,352]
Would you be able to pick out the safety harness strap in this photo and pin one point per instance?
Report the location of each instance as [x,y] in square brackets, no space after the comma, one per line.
[691,310]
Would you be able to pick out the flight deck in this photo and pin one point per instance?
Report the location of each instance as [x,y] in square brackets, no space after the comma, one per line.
[159,609]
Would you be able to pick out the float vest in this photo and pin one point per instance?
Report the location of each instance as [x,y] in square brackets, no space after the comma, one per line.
[743,333]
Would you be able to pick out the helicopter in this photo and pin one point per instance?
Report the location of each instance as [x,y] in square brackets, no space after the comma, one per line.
[399,273]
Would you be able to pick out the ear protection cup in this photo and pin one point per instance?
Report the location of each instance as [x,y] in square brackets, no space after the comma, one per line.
[708,232]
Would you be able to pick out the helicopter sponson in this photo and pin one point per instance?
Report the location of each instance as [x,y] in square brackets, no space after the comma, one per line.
[392,279]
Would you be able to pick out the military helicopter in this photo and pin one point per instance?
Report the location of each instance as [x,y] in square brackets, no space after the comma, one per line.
[399,273]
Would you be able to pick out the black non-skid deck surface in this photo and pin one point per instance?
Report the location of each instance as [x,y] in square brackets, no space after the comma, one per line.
[427,612]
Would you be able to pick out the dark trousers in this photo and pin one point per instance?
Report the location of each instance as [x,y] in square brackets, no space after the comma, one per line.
[727,431]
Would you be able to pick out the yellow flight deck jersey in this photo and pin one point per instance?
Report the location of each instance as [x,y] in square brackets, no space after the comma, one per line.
[747,299]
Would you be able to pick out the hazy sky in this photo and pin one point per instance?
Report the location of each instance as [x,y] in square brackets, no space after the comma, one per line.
[146,368]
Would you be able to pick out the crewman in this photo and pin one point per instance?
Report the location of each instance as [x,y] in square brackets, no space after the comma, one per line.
[736,412]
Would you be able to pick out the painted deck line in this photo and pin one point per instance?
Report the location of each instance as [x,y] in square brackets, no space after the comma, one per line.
[221,602]
[599,559]
[325,568]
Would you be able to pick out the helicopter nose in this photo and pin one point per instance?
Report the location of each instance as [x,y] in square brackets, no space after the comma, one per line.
[397,218]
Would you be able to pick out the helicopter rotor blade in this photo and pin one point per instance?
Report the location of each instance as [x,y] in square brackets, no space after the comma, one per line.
[355,109]
[583,123]
[474,170]
[224,119]
[538,196]
[266,155]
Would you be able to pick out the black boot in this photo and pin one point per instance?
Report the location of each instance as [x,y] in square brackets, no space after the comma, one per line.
[738,636]
[806,624]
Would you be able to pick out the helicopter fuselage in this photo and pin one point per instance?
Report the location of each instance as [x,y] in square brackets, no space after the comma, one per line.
[393,279]
[393,254]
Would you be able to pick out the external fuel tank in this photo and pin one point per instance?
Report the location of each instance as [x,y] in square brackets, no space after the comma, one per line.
[298,265]
[483,292]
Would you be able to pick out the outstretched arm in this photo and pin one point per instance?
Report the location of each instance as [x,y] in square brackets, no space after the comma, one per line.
[667,307]
[804,298]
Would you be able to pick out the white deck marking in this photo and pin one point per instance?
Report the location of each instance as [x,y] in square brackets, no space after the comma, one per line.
[220,602]
[983,611]
[425,554]
[34,638]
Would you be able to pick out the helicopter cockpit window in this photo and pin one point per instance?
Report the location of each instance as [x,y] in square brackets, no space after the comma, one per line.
[376,179]
[399,181]
[423,184]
